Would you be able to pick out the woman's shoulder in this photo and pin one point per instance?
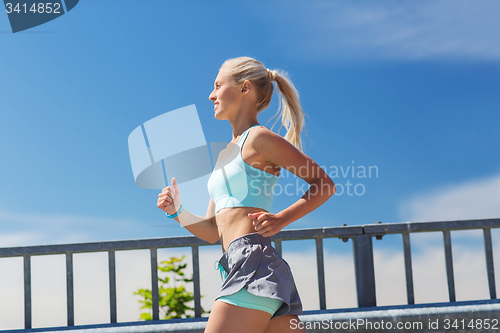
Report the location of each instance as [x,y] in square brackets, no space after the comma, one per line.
[263,139]
[262,133]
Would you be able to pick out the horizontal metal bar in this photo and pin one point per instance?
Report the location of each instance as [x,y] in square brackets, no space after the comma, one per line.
[420,314]
[318,233]
[393,228]
[344,231]
[137,244]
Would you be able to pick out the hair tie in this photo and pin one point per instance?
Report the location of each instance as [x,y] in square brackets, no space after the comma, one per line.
[272,74]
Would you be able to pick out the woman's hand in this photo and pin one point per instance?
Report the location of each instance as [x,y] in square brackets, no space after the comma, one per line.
[169,200]
[267,224]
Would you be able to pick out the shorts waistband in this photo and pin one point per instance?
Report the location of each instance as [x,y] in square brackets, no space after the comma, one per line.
[248,239]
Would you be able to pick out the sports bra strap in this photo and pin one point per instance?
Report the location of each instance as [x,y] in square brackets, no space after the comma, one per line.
[241,141]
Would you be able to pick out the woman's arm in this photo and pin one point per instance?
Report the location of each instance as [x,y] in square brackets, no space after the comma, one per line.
[202,227]
[169,200]
[277,150]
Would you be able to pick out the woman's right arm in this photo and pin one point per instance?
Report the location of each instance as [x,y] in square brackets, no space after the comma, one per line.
[202,227]
[169,200]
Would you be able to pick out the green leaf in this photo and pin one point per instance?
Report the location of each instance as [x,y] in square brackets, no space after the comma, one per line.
[146,316]
[172,298]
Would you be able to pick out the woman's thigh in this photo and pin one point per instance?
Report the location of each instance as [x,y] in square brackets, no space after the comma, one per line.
[231,318]
[284,324]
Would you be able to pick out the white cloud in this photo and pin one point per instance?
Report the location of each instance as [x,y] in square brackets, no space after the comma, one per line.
[18,238]
[472,199]
[397,30]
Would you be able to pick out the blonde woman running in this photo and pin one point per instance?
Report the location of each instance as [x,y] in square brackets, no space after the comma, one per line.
[258,293]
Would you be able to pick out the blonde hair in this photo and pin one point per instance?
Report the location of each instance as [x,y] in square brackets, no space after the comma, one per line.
[292,116]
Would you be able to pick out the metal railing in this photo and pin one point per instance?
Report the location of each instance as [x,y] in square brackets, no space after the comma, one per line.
[362,252]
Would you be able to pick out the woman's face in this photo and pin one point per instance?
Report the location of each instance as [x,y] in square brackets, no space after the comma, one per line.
[226,96]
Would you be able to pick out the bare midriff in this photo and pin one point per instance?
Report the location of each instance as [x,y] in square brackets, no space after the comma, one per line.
[233,222]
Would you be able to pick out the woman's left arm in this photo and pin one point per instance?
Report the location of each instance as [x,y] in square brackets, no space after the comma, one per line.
[277,150]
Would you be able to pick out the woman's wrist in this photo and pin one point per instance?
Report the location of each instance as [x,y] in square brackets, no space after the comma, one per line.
[176,213]
[285,220]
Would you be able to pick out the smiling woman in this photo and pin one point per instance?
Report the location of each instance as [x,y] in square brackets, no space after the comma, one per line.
[258,293]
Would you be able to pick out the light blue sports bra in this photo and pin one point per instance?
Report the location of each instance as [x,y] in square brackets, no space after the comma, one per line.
[234,183]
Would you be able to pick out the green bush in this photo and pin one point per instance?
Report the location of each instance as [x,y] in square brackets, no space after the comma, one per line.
[173,297]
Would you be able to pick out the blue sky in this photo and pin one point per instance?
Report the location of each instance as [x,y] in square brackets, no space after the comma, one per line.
[409,88]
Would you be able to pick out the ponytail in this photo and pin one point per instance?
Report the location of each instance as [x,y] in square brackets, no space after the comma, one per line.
[292,116]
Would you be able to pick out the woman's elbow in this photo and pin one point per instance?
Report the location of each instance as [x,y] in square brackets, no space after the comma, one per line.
[330,187]
[213,240]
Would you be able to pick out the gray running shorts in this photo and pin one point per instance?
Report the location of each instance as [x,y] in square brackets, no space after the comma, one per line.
[252,263]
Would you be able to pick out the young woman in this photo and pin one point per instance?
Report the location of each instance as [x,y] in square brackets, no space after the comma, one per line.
[258,292]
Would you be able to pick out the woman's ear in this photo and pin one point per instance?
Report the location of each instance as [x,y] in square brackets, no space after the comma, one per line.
[246,86]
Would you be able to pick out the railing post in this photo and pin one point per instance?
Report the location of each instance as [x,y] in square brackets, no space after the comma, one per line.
[154,284]
[364,270]
[321,273]
[449,265]
[112,286]
[277,247]
[69,289]
[410,295]
[27,291]
[196,281]
[488,249]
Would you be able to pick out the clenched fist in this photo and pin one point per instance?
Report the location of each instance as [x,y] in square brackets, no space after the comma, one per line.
[169,200]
